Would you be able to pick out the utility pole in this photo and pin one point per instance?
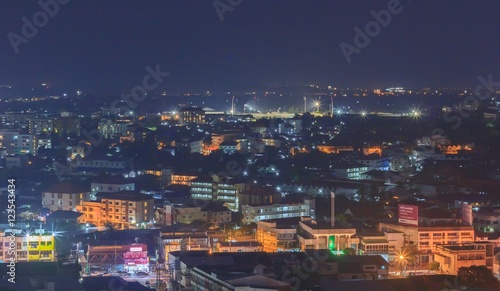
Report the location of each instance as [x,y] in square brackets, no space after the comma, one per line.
[331,98]
[232,107]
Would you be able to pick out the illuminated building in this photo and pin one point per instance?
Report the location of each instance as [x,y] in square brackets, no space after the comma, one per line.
[190,115]
[77,150]
[112,129]
[487,220]
[38,126]
[351,171]
[16,143]
[183,178]
[453,257]
[243,246]
[129,258]
[277,211]
[92,212]
[372,150]
[217,189]
[387,244]
[330,149]
[277,235]
[187,211]
[314,234]
[427,238]
[29,248]
[126,209]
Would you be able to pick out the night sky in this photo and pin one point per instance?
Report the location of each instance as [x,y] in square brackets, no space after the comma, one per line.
[103,46]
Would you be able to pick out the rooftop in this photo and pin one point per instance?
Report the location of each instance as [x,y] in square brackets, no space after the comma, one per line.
[64,214]
[67,188]
[125,195]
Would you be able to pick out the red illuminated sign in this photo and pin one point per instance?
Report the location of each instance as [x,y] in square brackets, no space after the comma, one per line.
[408,214]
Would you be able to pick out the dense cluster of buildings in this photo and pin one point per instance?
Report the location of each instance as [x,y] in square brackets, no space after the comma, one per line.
[212,201]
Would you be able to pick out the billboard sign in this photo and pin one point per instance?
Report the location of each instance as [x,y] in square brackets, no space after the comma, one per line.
[136,258]
[408,214]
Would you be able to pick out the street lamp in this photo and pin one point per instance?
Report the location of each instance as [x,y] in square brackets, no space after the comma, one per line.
[402,260]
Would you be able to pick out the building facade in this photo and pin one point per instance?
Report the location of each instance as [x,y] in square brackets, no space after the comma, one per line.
[276,236]
[427,238]
[28,248]
[17,143]
[64,196]
[126,209]
[453,257]
[277,211]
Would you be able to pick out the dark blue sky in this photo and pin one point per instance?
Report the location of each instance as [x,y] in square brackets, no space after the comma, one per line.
[103,46]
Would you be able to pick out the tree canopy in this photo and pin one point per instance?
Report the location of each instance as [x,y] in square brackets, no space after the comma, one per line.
[477,276]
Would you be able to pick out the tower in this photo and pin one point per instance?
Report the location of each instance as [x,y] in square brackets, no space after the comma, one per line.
[332,208]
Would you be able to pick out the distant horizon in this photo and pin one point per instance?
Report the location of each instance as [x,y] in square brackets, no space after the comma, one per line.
[256,43]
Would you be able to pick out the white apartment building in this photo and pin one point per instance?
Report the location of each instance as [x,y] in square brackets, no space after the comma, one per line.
[276,211]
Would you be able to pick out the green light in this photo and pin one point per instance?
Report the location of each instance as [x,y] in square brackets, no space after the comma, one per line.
[331,242]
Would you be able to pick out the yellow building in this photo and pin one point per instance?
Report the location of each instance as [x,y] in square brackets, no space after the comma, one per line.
[92,212]
[126,209]
[277,235]
[28,248]
[183,179]
[453,257]
[427,238]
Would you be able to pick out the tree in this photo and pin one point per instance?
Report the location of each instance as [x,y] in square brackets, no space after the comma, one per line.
[409,254]
[349,251]
[434,266]
[477,276]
